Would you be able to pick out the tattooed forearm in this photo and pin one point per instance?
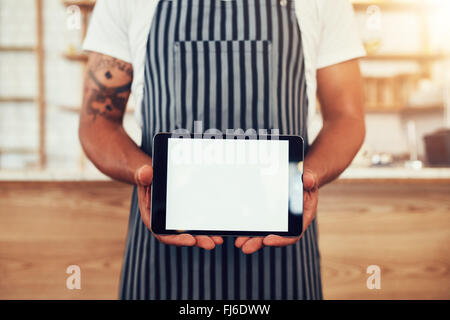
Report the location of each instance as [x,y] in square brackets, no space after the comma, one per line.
[108,85]
[105,142]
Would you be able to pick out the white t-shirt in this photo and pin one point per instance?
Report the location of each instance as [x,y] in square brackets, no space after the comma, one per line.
[120,28]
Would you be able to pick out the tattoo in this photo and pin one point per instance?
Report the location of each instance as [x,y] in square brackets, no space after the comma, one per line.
[103,100]
[112,63]
[111,90]
[96,112]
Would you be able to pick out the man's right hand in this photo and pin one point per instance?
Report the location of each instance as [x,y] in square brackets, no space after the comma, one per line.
[143,178]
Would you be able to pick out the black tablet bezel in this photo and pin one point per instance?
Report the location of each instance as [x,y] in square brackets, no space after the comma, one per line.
[159,188]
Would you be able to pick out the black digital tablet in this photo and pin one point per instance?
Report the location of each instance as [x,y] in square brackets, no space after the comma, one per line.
[228,185]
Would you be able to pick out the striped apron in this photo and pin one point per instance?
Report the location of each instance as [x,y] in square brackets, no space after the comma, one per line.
[230,64]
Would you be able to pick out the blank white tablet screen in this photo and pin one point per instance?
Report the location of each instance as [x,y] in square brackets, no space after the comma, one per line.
[228,185]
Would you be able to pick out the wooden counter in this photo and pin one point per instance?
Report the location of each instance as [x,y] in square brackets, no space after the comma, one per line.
[403,226]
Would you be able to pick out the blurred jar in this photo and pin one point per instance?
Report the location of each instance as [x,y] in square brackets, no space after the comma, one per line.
[72,31]
[372,38]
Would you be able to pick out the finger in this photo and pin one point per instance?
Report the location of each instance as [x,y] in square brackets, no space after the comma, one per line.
[239,242]
[178,240]
[277,241]
[205,242]
[309,180]
[148,195]
[143,208]
[252,245]
[145,216]
[145,213]
[141,192]
[310,201]
[144,175]
[217,240]
[308,217]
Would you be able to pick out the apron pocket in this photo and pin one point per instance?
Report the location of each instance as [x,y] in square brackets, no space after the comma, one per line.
[224,84]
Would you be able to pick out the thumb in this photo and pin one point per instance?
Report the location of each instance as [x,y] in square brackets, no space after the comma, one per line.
[144,175]
[309,180]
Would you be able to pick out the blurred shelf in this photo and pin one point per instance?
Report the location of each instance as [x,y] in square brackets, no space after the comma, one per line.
[17,99]
[83,4]
[422,109]
[384,109]
[79,56]
[75,109]
[404,110]
[70,109]
[395,5]
[421,57]
[17,150]
[17,49]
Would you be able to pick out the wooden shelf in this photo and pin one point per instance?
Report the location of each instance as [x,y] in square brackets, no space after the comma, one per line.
[17,49]
[422,109]
[79,56]
[17,150]
[70,109]
[83,4]
[404,110]
[395,5]
[75,109]
[17,99]
[384,109]
[421,57]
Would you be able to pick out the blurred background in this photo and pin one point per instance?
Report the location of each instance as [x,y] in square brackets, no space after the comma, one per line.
[391,208]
